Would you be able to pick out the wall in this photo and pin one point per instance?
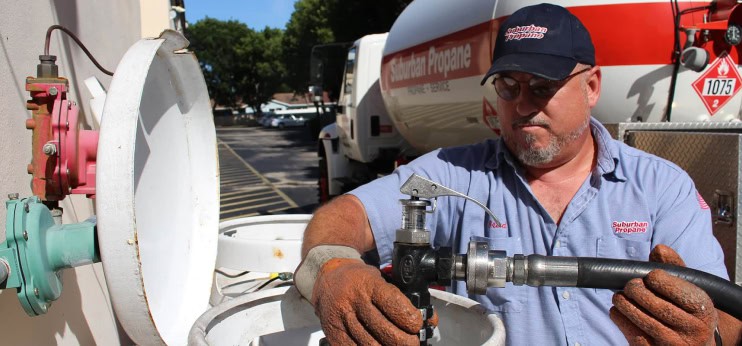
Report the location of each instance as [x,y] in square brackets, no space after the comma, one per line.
[83,314]
[153,20]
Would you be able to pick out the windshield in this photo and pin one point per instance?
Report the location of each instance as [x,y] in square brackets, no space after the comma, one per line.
[349,70]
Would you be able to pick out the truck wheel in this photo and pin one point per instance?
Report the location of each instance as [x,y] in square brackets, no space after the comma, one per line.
[281,125]
[323,183]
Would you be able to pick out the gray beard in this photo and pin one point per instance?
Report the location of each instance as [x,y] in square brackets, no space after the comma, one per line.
[535,157]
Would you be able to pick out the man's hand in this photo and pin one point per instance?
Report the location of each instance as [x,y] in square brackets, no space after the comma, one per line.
[354,303]
[357,306]
[662,309]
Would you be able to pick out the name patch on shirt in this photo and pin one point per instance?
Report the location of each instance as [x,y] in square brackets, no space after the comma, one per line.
[630,226]
[502,225]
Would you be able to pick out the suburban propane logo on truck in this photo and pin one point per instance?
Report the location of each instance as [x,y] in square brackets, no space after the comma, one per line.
[433,63]
[429,67]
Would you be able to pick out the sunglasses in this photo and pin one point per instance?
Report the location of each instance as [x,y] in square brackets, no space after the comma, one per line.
[508,88]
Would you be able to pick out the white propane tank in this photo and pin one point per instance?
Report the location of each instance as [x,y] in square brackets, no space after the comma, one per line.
[280,316]
[431,68]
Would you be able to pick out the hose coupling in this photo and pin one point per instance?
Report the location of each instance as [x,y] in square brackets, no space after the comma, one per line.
[481,268]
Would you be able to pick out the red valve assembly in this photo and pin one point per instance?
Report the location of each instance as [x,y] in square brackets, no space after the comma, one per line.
[64,156]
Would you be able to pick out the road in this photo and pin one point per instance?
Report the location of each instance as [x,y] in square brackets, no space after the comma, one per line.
[266,171]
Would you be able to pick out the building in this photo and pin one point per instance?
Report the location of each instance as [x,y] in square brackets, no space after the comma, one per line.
[284,101]
[83,315]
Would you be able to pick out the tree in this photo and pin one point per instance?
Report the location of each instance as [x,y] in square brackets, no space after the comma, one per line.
[261,67]
[243,65]
[213,41]
[329,23]
[307,27]
[239,64]
[350,20]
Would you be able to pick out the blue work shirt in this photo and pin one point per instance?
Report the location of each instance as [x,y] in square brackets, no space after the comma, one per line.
[630,203]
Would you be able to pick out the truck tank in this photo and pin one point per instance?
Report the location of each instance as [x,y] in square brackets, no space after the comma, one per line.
[431,67]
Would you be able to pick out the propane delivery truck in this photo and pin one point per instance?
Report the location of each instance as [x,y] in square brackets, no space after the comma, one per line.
[671,87]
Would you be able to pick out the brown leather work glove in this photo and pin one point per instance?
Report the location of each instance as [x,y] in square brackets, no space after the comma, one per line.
[356,305]
[662,309]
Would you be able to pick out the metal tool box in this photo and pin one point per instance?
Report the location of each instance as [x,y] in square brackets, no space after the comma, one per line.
[711,153]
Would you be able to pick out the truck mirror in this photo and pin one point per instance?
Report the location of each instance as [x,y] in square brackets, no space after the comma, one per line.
[317,68]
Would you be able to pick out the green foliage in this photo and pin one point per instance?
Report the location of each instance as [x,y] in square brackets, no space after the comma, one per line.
[349,20]
[262,69]
[307,27]
[239,64]
[330,23]
[244,65]
[213,41]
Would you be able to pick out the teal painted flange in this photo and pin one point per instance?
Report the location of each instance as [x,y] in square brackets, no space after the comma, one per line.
[42,249]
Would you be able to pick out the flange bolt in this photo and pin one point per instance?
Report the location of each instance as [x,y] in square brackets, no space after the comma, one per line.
[50,149]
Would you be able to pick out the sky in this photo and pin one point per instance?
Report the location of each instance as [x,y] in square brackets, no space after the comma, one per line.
[257,14]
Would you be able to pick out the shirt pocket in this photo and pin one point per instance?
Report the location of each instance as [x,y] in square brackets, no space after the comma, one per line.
[620,248]
[510,298]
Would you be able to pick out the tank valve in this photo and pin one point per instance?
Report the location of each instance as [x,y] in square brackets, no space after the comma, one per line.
[415,263]
[36,250]
[412,258]
[63,155]
[693,58]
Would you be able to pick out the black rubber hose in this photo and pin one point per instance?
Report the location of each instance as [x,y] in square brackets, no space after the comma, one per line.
[615,273]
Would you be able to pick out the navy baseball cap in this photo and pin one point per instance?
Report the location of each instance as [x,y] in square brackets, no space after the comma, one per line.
[544,40]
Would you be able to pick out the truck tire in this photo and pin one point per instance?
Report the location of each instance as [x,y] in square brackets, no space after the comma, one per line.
[281,126]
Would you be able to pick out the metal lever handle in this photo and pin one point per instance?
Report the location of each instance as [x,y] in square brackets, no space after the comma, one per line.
[723,211]
[420,187]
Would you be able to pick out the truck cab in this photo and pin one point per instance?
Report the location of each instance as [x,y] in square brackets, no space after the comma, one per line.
[367,142]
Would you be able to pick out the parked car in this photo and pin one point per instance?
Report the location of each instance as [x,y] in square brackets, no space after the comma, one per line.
[287,120]
[266,119]
[223,112]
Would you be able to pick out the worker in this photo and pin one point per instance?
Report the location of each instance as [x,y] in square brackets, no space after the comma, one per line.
[560,186]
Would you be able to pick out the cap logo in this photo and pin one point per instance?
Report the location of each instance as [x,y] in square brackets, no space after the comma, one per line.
[522,32]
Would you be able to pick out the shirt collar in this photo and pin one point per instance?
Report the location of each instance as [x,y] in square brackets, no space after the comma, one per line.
[607,162]
[500,154]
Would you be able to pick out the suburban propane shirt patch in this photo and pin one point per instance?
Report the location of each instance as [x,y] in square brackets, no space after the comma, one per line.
[630,226]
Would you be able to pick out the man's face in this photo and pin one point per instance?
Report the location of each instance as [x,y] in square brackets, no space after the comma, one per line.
[542,130]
